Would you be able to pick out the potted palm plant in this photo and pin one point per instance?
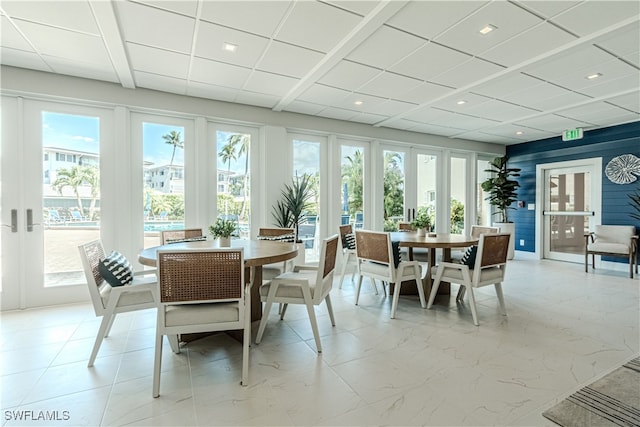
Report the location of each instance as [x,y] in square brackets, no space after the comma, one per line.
[502,194]
[222,230]
[290,211]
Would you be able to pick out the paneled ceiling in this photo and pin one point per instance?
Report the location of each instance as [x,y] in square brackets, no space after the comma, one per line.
[421,66]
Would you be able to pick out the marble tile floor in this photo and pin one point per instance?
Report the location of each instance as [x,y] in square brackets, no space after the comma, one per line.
[564,329]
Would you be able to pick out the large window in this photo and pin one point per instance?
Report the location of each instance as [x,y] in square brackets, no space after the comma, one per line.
[306,161]
[233,188]
[352,167]
[393,182]
[163,179]
[458,182]
[70,193]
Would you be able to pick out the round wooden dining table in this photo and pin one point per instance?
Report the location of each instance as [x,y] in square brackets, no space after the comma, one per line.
[256,254]
[433,241]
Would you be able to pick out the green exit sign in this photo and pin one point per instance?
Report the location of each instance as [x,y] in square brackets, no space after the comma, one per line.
[571,134]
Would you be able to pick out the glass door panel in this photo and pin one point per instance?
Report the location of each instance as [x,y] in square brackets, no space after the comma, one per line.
[234,179]
[163,201]
[568,209]
[351,197]
[458,174]
[394,188]
[306,161]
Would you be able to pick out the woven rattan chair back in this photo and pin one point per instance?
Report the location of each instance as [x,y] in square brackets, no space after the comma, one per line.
[477,230]
[373,246]
[275,232]
[330,249]
[494,249]
[167,235]
[344,230]
[189,276]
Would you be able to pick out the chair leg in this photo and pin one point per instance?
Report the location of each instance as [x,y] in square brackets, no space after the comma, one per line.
[472,303]
[107,319]
[461,291]
[283,310]
[500,298]
[157,364]
[330,308]
[396,296]
[358,289]
[263,321]
[246,342]
[314,323]
[345,260]
[423,301]
[631,256]
[106,334]
[434,288]
[173,342]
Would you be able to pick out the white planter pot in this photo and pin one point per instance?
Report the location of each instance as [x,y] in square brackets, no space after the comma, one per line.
[508,227]
[224,242]
[422,232]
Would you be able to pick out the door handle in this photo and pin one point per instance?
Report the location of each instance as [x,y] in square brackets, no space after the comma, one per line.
[30,222]
[14,221]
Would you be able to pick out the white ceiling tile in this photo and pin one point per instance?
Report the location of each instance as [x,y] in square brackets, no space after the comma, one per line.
[218,73]
[508,18]
[534,42]
[212,38]
[11,38]
[425,92]
[435,129]
[597,113]
[162,83]
[493,139]
[71,15]
[421,64]
[154,27]
[269,83]
[630,102]
[22,59]
[323,95]
[509,84]
[337,113]
[368,118]
[552,122]
[613,86]
[385,47]
[259,99]
[555,102]
[349,75]
[557,66]
[158,61]
[288,60]
[430,18]
[367,101]
[633,58]
[388,85]
[466,122]
[498,110]
[389,107]
[467,73]
[87,70]
[425,115]
[591,16]
[185,7]
[316,25]
[576,79]
[55,42]
[256,17]
[203,90]
[536,95]
[361,7]
[625,41]
[304,107]
[471,100]
[549,9]
[403,124]
[510,131]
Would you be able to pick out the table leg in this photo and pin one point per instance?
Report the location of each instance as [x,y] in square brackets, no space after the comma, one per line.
[255,275]
[427,281]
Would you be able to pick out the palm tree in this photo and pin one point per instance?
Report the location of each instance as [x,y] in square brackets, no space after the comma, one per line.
[242,141]
[173,138]
[227,154]
[352,174]
[393,185]
[74,178]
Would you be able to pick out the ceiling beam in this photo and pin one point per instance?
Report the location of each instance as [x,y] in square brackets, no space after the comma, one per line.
[107,23]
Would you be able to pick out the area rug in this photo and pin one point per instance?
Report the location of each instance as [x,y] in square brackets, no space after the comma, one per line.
[613,400]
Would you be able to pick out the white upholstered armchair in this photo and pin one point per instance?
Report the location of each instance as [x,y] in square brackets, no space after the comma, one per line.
[612,240]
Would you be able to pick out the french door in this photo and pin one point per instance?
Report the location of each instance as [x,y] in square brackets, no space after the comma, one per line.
[572,198]
[50,178]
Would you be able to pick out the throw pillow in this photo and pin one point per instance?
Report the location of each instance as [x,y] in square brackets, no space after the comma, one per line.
[116,270]
[396,253]
[349,241]
[469,257]
[289,238]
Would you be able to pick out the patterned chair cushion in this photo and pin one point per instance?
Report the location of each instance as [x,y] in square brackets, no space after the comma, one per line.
[469,257]
[116,269]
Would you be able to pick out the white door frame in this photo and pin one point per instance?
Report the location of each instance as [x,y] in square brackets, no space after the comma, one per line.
[595,165]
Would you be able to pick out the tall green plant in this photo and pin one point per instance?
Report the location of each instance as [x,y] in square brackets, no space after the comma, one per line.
[501,187]
[635,204]
[290,211]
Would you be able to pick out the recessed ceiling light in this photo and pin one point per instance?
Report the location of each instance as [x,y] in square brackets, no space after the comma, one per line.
[593,76]
[487,29]
[229,47]
[358,102]
[519,132]
[462,101]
